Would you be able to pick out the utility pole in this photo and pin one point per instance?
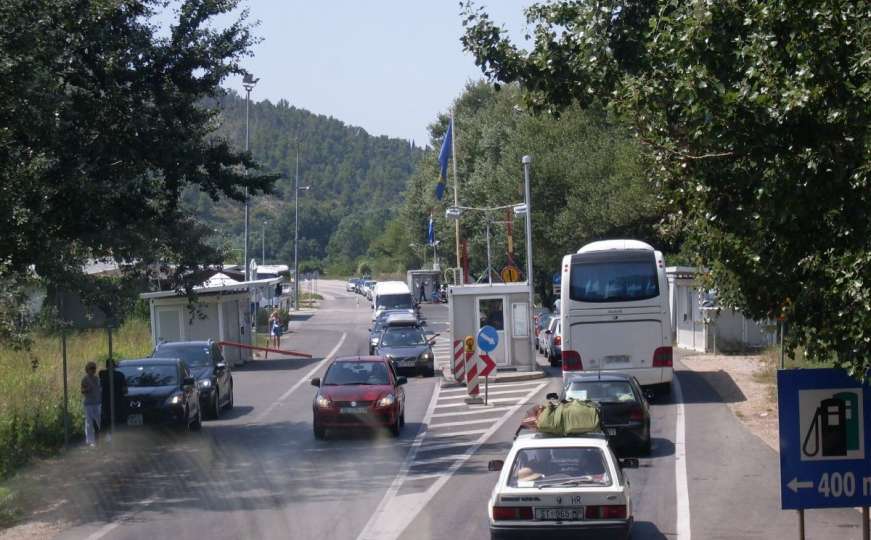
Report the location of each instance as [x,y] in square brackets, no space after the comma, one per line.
[248,82]
[263,244]
[527,160]
[296,237]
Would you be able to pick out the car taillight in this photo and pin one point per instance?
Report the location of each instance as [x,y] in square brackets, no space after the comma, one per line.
[662,357]
[636,414]
[572,361]
[558,340]
[505,513]
[606,511]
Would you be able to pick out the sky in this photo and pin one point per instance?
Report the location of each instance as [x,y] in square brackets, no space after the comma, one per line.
[388,66]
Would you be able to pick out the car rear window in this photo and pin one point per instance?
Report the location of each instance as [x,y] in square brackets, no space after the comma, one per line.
[614,280]
[402,336]
[193,355]
[601,391]
[139,376]
[562,466]
[356,373]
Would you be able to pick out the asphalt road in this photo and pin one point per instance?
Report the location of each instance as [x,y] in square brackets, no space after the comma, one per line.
[258,472]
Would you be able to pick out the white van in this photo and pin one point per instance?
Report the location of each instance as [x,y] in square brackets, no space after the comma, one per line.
[391,295]
[614,312]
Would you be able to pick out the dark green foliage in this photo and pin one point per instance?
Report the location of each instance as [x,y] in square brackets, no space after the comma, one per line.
[356,181]
[102,130]
[756,115]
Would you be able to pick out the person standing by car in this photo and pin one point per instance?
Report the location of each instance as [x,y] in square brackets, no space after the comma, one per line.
[119,387]
[91,399]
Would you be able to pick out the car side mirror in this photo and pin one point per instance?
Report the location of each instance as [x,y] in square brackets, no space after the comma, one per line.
[188,381]
[401,380]
[316,381]
[221,366]
[548,332]
[495,465]
[629,463]
[369,329]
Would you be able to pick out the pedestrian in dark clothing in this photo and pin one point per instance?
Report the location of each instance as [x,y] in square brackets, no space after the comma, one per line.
[423,291]
[119,386]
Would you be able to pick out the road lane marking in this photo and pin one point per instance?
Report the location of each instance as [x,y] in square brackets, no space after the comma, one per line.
[512,401]
[498,386]
[482,410]
[680,467]
[461,423]
[445,446]
[435,460]
[388,523]
[302,381]
[441,435]
[489,393]
[119,520]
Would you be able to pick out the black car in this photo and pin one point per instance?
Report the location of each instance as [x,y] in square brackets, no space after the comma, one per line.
[213,375]
[378,326]
[624,408]
[161,392]
[407,347]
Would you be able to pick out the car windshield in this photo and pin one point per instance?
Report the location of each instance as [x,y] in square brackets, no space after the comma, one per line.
[550,467]
[405,336]
[395,301]
[150,375]
[193,355]
[351,373]
[601,391]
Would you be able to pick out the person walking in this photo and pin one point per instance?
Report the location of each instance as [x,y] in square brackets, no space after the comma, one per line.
[119,387]
[91,400]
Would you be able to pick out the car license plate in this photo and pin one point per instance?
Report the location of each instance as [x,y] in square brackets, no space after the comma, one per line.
[610,431]
[559,514]
[617,359]
[353,410]
[134,420]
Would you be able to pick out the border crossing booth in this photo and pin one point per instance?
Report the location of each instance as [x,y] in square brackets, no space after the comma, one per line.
[430,279]
[503,306]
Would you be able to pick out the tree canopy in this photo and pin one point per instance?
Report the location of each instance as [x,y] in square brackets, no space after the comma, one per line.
[756,117]
[102,128]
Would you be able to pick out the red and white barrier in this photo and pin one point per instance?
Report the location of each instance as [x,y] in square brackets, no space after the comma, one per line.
[459,362]
[472,385]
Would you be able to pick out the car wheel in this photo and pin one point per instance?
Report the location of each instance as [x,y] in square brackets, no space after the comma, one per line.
[402,419]
[647,446]
[230,399]
[215,404]
[198,421]
[396,427]
[318,430]
[553,363]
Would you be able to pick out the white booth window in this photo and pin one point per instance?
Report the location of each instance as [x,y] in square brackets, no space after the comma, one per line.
[520,319]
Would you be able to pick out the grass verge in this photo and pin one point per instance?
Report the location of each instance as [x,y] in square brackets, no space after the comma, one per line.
[767,374]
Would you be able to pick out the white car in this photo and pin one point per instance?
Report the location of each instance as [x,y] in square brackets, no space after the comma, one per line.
[561,487]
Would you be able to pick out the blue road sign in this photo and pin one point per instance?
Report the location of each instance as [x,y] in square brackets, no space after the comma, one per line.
[488,338]
[824,439]
[557,278]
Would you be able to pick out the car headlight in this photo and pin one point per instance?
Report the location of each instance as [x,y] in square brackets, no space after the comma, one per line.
[427,356]
[374,341]
[323,402]
[175,399]
[205,383]
[387,400]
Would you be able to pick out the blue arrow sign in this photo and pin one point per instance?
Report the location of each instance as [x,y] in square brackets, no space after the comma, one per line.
[557,278]
[825,448]
[488,338]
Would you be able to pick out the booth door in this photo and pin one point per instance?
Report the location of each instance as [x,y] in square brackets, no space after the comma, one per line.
[230,318]
[491,311]
[168,324]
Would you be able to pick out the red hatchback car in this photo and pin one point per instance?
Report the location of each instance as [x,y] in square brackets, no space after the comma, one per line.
[359,391]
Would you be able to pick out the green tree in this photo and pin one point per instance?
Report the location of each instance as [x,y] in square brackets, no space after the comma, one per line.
[102,129]
[756,117]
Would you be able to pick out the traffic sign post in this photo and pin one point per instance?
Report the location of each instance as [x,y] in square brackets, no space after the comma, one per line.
[472,386]
[825,424]
[488,339]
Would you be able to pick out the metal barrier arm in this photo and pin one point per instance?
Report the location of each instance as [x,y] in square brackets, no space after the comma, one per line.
[252,347]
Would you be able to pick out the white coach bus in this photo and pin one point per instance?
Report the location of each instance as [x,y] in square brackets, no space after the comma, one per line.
[614,312]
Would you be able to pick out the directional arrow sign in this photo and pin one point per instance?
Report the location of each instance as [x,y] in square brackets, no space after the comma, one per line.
[488,338]
[489,365]
[795,485]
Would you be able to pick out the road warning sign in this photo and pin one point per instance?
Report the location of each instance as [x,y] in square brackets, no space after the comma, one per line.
[510,274]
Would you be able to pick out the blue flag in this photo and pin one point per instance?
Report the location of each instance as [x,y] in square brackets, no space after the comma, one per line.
[430,233]
[444,157]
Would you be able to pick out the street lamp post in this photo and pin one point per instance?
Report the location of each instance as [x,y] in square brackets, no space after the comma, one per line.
[263,244]
[527,160]
[248,82]
[296,191]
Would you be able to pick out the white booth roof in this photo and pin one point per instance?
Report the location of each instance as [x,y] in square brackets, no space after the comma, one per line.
[210,287]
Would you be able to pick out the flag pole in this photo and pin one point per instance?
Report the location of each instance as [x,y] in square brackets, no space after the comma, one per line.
[456,196]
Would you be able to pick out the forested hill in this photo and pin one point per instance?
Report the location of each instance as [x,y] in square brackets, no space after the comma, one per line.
[357,181]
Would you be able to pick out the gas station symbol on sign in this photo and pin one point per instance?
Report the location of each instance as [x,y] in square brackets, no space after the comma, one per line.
[488,338]
[831,424]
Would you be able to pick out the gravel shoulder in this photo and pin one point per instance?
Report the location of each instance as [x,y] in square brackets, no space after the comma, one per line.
[747,388]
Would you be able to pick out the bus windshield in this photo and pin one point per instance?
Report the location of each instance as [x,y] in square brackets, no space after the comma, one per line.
[614,280]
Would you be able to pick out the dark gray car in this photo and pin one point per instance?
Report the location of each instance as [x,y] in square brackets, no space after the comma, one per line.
[378,326]
[408,348]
